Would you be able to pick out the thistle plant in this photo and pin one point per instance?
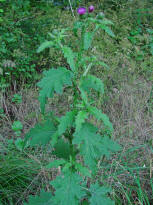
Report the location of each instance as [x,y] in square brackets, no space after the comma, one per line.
[79,141]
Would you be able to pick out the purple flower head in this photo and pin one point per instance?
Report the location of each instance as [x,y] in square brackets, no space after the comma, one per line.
[91,9]
[81,11]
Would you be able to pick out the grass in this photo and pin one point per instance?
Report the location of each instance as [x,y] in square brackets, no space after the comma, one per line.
[127,101]
[22,173]
[16,174]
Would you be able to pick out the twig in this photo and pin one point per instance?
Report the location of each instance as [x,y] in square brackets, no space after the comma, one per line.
[71,8]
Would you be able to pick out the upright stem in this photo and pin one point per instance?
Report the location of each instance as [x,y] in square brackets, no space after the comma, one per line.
[80,53]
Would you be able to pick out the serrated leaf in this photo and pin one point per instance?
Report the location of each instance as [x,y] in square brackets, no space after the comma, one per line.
[83,170]
[109,146]
[62,149]
[106,22]
[44,45]
[93,145]
[66,122]
[19,143]
[45,198]
[68,189]
[84,96]
[77,26]
[80,119]
[101,116]
[53,81]
[67,167]
[41,134]
[102,64]
[107,30]
[55,163]
[93,82]
[70,56]
[96,61]
[90,143]
[17,125]
[88,36]
[99,195]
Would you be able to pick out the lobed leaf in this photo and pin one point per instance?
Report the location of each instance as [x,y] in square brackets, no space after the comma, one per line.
[70,56]
[107,30]
[80,119]
[55,163]
[44,45]
[68,189]
[45,198]
[83,170]
[66,122]
[90,144]
[93,145]
[106,22]
[41,134]
[93,82]
[99,195]
[101,116]
[109,146]
[53,81]
[102,64]
[62,149]
[88,36]
[96,61]
[84,96]
[77,26]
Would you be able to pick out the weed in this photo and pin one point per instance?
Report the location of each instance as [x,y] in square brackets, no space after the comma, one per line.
[75,131]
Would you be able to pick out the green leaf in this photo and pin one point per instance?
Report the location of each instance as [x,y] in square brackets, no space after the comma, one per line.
[83,170]
[62,149]
[102,64]
[53,80]
[45,198]
[70,56]
[66,122]
[55,163]
[95,61]
[68,189]
[91,81]
[41,134]
[46,44]
[99,195]
[88,36]
[84,96]
[90,143]
[17,125]
[93,146]
[19,143]
[106,22]
[77,26]
[107,30]
[80,119]
[109,146]
[101,116]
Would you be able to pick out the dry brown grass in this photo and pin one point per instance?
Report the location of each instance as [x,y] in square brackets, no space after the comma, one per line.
[132,117]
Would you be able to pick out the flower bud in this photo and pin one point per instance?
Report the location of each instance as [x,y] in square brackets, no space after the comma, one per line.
[81,11]
[101,15]
[91,9]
